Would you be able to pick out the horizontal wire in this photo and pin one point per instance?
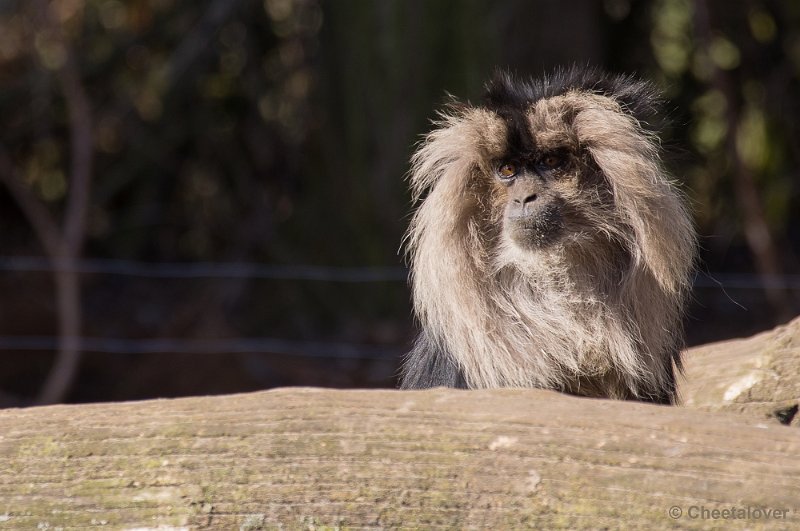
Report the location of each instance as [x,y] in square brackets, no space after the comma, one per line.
[190,270]
[255,270]
[209,270]
[746,281]
[261,345]
[231,270]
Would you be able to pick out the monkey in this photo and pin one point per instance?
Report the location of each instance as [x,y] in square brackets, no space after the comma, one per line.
[549,247]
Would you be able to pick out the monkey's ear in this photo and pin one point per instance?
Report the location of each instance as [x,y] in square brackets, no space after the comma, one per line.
[662,239]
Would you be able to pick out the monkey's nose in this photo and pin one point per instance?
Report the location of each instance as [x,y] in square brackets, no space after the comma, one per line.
[529,199]
[524,205]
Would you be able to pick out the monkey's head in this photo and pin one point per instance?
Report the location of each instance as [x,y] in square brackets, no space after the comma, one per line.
[565,165]
[549,247]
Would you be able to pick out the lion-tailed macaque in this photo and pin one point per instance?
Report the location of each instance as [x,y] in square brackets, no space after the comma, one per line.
[549,249]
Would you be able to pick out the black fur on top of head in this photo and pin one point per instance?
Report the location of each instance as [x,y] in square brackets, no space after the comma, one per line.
[506,95]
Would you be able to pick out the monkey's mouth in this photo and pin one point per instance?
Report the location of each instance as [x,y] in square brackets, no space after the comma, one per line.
[537,229]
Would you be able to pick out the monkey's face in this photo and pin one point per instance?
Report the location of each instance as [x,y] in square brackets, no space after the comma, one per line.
[533,211]
[541,187]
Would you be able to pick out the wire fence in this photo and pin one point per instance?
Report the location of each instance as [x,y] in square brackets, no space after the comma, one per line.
[222,270]
[362,274]
[306,349]
[209,270]
[251,270]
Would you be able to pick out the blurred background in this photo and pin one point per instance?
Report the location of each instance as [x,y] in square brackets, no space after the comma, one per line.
[209,197]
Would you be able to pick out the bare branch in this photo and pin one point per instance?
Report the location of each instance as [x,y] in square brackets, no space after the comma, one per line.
[81,148]
[67,280]
[70,316]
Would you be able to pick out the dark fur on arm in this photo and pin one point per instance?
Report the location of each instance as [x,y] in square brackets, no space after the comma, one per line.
[427,365]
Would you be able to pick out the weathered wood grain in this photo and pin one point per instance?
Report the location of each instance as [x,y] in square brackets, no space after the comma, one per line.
[758,376]
[311,458]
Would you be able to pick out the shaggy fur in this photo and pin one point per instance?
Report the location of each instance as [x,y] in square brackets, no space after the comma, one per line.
[571,275]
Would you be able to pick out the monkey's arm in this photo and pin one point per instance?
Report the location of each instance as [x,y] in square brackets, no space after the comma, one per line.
[427,365]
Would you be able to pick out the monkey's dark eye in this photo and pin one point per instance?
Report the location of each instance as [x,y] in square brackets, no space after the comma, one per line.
[551,161]
[507,170]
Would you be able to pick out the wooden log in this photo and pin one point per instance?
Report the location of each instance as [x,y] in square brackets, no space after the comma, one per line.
[326,459]
[758,376]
